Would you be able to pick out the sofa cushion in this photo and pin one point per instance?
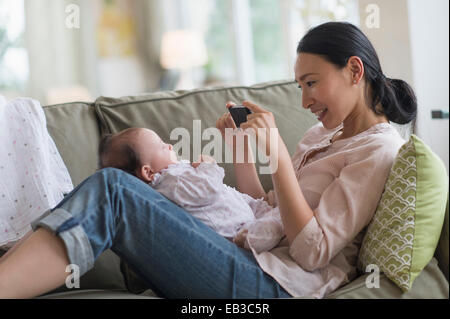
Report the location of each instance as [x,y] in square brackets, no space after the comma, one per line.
[430,284]
[165,111]
[75,131]
[405,230]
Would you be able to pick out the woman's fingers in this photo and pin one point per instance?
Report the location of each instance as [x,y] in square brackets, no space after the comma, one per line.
[240,237]
[230,104]
[221,122]
[230,122]
[253,107]
[224,122]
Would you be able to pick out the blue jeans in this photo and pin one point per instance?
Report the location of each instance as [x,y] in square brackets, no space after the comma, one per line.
[174,253]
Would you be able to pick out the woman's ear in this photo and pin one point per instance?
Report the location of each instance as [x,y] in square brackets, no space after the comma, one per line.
[145,173]
[356,68]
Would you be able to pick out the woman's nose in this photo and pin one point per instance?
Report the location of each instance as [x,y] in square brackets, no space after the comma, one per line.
[170,147]
[306,101]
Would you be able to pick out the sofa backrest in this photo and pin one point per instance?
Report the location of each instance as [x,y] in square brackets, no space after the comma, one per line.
[75,129]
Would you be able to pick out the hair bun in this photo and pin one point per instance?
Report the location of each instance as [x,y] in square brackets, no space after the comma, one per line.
[405,110]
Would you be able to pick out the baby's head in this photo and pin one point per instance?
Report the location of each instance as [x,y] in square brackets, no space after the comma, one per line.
[137,151]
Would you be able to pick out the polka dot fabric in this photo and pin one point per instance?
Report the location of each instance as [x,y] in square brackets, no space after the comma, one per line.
[33,177]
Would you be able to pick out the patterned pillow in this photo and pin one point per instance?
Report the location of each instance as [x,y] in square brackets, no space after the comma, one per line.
[404,232]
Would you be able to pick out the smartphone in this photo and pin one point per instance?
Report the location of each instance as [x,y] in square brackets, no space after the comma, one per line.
[239,114]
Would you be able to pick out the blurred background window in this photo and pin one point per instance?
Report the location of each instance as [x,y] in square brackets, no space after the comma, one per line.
[13,55]
[220,45]
[269,45]
[252,41]
[126,47]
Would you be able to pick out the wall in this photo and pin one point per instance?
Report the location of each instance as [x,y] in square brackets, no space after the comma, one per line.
[412,44]
[429,24]
[391,41]
[391,38]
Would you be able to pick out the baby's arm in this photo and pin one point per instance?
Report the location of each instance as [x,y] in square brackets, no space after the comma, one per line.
[203,159]
[259,206]
[261,235]
[195,187]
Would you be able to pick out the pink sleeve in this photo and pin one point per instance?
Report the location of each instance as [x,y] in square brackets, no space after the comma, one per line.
[346,206]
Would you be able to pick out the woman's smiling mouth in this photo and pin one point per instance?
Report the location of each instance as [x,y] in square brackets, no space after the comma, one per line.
[321,114]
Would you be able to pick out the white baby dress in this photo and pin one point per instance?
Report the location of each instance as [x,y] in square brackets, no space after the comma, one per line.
[202,193]
[33,176]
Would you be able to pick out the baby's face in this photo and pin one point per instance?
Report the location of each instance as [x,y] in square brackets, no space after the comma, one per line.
[153,151]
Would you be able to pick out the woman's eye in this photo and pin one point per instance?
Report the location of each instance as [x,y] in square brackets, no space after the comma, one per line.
[308,84]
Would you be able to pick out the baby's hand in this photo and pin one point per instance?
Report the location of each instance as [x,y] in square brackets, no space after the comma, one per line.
[203,159]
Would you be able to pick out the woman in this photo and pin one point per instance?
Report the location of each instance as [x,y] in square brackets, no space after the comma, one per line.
[327,194]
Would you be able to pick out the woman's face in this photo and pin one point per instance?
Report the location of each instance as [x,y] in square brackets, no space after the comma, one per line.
[325,88]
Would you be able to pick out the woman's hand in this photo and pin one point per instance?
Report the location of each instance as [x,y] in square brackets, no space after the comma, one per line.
[247,179]
[265,121]
[226,121]
[240,238]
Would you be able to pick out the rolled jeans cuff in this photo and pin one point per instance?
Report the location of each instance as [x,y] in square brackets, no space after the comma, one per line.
[77,243]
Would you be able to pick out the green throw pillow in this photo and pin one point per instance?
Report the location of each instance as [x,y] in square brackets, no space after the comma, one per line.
[404,232]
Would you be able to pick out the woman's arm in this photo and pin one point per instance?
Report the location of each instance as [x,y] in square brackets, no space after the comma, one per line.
[294,210]
[247,179]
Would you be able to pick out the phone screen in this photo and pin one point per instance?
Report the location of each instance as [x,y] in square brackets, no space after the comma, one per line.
[239,114]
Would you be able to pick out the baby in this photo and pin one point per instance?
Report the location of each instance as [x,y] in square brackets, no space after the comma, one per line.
[197,187]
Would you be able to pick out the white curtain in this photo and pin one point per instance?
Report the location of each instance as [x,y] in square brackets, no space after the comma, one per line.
[150,23]
[54,50]
[68,57]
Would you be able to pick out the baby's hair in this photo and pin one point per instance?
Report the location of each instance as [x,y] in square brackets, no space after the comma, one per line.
[122,156]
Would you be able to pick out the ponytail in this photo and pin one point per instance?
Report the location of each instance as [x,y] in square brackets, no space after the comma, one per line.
[399,101]
[396,97]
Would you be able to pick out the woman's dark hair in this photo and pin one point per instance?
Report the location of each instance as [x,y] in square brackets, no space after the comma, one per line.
[337,42]
[125,157]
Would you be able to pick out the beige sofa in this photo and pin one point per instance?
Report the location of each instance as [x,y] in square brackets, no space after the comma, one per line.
[77,127]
